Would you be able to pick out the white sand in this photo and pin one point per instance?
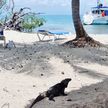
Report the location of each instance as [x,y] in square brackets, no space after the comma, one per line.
[21,68]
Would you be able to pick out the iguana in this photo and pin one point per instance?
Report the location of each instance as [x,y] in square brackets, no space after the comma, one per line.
[56,90]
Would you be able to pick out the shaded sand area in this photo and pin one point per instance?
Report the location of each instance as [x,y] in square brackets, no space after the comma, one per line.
[32,67]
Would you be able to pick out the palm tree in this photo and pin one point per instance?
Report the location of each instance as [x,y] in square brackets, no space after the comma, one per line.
[80,32]
[82,39]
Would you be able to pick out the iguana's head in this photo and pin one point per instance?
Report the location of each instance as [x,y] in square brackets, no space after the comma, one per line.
[66,81]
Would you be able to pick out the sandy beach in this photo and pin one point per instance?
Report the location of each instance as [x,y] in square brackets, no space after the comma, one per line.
[32,67]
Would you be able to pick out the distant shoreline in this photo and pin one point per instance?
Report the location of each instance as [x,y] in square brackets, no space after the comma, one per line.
[65,23]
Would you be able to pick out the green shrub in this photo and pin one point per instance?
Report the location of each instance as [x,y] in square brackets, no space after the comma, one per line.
[30,22]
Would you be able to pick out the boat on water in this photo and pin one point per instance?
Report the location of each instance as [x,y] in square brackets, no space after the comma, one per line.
[97,15]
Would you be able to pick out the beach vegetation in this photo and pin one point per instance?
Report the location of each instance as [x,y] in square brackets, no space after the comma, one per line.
[22,20]
[31,22]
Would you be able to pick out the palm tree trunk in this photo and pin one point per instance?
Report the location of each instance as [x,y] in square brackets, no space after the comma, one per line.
[80,32]
[82,39]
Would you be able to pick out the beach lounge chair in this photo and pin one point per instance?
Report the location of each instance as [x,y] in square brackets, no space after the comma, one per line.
[49,34]
[2,37]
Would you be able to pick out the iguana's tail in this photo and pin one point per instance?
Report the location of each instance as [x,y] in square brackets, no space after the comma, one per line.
[39,98]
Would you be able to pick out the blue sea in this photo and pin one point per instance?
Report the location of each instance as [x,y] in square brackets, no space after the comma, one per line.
[65,23]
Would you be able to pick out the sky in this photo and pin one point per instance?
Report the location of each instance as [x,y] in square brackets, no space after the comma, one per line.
[55,6]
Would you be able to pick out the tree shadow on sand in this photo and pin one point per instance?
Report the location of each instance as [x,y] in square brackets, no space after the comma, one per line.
[89,72]
[93,96]
[26,58]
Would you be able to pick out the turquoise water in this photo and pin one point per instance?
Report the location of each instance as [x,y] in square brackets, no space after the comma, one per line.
[58,23]
[65,23]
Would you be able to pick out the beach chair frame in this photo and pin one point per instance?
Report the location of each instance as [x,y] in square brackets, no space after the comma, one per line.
[45,33]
